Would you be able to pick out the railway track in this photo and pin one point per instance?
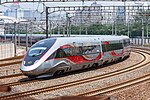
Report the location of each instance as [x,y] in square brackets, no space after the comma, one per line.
[20,74]
[11,76]
[141,48]
[11,61]
[117,87]
[79,82]
[120,86]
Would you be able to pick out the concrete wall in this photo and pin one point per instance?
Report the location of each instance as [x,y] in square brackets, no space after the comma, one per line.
[6,50]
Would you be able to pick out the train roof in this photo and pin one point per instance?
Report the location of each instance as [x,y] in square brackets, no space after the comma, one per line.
[61,35]
[60,41]
[95,37]
[89,39]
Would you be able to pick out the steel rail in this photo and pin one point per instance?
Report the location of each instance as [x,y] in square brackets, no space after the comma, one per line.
[11,61]
[10,76]
[12,58]
[117,87]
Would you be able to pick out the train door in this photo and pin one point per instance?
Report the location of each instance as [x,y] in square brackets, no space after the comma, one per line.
[72,56]
[77,57]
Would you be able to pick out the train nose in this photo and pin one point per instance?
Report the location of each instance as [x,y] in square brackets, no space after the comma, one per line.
[29,72]
[34,70]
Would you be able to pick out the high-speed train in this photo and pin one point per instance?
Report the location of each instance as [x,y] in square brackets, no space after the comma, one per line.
[54,56]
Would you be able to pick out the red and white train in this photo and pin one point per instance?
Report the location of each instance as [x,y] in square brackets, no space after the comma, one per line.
[58,55]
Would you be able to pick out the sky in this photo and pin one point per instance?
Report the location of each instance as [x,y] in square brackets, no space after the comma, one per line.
[39,6]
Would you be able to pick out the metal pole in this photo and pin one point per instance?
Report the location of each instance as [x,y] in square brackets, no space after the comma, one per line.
[50,27]
[58,28]
[142,33]
[86,31]
[15,47]
[80,23]
[63,30]
[125,11]
[67,24]
[19,37]
[128,30]
[70,28]
[47,22]
[26,38]
[80,30]
[147,30]
[31,34]
[12,35]
[112,28]
[67,28]
[5,31]
[113,20]
[53,31]
[115,28]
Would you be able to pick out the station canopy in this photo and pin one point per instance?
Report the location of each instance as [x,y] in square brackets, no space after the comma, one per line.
[11,1]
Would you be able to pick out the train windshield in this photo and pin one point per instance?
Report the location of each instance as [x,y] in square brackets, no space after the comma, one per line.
[36,51]
[40,47]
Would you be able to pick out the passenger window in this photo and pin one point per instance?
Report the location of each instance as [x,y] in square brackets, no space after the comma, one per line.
[104,48]
[60,53]
[91,49]
[68,51]
[110,47]
[80,50]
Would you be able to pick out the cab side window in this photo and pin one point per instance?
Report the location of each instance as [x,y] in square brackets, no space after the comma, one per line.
[60,53]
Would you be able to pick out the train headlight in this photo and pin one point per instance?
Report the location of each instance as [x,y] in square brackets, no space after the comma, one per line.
[24,62]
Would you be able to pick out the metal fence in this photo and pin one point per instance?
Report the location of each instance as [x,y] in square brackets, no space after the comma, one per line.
[138,41]
[6,50]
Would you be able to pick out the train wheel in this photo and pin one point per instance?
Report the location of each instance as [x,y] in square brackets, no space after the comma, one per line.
[59,72]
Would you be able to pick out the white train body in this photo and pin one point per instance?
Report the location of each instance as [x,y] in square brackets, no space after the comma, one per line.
[63,54]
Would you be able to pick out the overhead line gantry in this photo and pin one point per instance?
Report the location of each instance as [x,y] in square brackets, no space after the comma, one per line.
[12,1]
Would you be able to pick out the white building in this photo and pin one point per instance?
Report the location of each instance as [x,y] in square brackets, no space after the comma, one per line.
[3,20]
[7,20]
[15,11]
[88,15]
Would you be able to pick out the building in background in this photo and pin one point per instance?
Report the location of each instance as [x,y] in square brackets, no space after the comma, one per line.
[88,15]
[14,11]
[17,12]
[33,15]
[5,20]
[97,13]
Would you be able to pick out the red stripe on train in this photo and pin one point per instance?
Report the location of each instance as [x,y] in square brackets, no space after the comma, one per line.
[115,54]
